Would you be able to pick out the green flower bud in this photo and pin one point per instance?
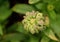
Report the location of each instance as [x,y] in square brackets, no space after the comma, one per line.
[34,22]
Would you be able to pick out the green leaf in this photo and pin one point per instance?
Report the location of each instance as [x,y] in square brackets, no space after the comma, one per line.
[40,6]
[52,14]
[16,27]
[52,41]
[50,1]
[14,36]
[22,8]
[55,24]
[57,6]
[15,41]
[45,39]
[33,1]
[49,33]
[33,39]
[12,27]
[5,12]
[20,27]
[1,30]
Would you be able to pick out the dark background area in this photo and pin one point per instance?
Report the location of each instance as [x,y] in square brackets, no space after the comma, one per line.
[15,17]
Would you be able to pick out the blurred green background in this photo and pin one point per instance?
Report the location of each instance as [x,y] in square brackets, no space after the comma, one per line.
[11,16]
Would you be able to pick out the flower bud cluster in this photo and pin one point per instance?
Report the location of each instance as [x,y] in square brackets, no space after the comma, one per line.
[34,22]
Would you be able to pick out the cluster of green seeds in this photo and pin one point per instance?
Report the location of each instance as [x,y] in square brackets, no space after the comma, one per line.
[34,22]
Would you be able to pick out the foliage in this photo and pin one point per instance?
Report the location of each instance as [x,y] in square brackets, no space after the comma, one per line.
[16,32]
